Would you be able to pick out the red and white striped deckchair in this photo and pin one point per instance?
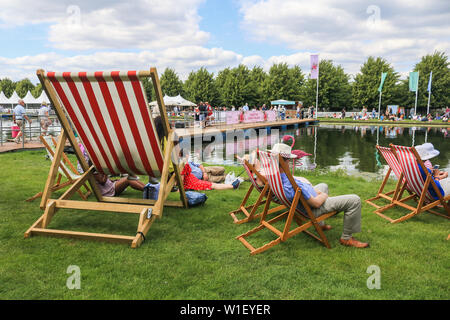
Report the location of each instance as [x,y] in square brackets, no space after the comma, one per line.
[263,192]
[410,161]
[394,166]
[271,165]
[110,113]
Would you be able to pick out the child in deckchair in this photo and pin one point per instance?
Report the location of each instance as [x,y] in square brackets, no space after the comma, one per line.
[113,188]
[320,203]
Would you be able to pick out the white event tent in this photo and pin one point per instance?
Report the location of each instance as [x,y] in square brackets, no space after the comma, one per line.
[175,101]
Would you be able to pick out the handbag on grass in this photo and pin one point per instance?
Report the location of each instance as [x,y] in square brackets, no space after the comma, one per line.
[195,198]
[151,191]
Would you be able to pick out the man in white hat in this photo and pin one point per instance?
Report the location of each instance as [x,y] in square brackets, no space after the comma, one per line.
[426,152]
[320,203]
[44,117]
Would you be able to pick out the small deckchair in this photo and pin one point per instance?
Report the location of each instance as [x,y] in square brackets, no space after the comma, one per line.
[66,169]
[263,192]
[271,164]
[410,161]
[110,113]
[394,166]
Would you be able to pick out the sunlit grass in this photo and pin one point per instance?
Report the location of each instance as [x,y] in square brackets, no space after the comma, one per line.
[193,253]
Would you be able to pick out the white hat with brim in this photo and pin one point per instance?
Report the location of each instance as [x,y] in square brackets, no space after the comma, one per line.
[284,150]
[426,151]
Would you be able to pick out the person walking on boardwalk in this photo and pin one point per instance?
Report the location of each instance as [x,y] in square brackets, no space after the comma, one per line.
[18,117]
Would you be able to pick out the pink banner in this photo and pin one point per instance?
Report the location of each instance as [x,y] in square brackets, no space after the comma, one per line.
[233,117]
[253,116]
[271,116]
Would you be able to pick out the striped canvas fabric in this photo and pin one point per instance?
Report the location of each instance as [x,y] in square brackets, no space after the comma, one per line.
[391,160]
[409,165]
[251,177]
[109,111]
[271,167]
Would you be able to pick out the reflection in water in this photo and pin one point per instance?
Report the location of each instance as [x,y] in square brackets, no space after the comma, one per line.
[347,147]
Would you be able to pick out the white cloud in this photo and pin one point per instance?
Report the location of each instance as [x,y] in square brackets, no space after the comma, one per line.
[93,25]
[349,31]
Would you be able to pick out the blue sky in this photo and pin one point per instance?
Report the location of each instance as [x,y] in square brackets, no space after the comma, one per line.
[188,34]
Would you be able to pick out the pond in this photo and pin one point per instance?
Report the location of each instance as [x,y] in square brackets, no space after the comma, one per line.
[352,147]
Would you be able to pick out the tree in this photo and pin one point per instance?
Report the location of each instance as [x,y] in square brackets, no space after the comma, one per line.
[7,86]
[237,89]
[365,88]
[37,90]
[220,80]
[257,78]
[148,88]
[440,86]
[23,86]
[200,86]
[171,84]
[283,83]
[334,87]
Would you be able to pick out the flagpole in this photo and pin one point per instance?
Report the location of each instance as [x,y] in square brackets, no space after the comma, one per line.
[417,90]
[317,87]
[429,94]
[379,102]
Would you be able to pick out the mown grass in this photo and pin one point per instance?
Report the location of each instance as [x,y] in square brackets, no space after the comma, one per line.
[193,253]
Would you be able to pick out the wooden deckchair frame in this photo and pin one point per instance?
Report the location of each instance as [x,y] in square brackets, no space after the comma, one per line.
[392,195]
[292,214]
[422,204]
[148,210]
[244,208]
[59,184]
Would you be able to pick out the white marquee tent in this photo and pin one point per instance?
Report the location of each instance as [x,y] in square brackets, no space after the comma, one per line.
[175,101]
[29,99]
[43,98]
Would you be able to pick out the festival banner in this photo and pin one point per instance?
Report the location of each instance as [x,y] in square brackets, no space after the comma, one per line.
[383,77]
[314,66]
[413,81]
[429,82]
[232,117]
[253,116]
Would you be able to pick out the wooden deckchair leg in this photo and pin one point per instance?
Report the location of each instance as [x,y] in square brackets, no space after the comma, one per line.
[53,169]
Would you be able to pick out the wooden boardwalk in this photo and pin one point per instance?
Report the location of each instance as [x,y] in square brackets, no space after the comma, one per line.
[12,146]
[212,130]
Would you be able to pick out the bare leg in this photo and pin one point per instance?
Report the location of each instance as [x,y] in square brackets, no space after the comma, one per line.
[221,186]
[123,183]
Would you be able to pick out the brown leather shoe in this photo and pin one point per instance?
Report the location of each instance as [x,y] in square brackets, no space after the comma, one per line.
[352,242]
[326,227]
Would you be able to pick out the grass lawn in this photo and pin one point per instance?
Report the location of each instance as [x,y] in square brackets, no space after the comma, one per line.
[193,253]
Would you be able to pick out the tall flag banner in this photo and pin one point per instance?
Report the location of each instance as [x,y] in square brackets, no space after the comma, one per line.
[314,66]
[429,82]
[383,77]
[413,81]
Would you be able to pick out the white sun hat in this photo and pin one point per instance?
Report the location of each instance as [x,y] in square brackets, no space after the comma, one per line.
[426,151]
[284,150]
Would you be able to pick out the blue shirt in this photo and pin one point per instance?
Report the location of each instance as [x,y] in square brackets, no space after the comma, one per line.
[430,188]
[19,111]
[196,171]
[307,190]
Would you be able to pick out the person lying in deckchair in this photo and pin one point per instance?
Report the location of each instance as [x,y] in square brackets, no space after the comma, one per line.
[320,203]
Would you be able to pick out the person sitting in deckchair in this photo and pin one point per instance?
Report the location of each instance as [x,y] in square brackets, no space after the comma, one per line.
[320,203]
[113,188]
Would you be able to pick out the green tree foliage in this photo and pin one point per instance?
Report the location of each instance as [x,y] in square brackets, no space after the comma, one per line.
[283,82]
[365,88]
[258,76]
[148,88]
[37,90]
[440,97]
[171,84]
[7,86]
[237,87]
[200,86]
[23,86]
[334,87]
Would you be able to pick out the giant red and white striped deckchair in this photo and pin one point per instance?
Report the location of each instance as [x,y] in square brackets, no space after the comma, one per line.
[263,192]
[109,111]
[271,165]
[410,161]
[394,166]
